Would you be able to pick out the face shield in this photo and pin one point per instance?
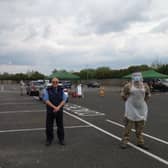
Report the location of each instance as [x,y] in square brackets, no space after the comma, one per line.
[137,77]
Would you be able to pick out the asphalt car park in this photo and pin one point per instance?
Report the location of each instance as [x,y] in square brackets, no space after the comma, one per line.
[93,128]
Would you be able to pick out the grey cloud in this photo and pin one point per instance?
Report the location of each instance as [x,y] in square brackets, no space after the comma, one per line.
[72,34]
[7,25]
[115,17]
[161,28]
[47,31]
[95,16]
[32,33]
[16,59]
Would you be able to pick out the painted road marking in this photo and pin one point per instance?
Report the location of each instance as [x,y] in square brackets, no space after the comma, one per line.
[2,88]
[86,114]
[4,99]
[82,111]
[4,104]
[14,96]
[160,93]
[118,138]
[9,91]
[36,97]
[147,135]
[23,111]
[112,122]
[41,129]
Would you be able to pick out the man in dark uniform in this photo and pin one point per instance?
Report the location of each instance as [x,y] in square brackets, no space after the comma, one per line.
[55,99]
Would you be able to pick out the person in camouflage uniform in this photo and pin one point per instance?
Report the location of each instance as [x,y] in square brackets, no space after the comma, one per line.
[135,94]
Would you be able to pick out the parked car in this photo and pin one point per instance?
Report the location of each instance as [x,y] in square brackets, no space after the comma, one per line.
[33,87]
[67,84]
[67,94]
[161,85]
[163,81]
[93,84]
[158,85]
[41,92]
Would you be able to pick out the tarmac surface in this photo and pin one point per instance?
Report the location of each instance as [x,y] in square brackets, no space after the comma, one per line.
[93,130]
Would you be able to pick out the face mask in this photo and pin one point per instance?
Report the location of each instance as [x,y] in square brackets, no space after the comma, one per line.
[137,78]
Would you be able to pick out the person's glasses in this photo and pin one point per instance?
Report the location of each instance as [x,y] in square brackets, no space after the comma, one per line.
[55,82]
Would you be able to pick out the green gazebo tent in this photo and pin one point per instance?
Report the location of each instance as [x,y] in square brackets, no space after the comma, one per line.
[62,75]
[150,74]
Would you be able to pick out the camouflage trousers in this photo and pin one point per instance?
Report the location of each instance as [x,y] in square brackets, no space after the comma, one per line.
[139,127]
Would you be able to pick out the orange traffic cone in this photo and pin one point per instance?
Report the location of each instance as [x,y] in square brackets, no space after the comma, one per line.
[101,91]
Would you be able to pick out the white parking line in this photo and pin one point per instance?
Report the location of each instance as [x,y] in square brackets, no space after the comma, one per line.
[23,111]
[41,129]
[147,135]
[87,113]
[9,91]
[39,111]
[82,111]
[18,103]
[90,115]
[160,93]
[36,97]
[14,101]
[4,99]
[118,138]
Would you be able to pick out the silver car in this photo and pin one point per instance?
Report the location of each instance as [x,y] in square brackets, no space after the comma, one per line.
[33,88]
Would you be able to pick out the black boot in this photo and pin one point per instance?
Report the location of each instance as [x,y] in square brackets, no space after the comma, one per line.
[61,142]
[48,143]
[143,146]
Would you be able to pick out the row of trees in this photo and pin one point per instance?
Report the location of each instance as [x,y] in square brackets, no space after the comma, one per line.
[34,75]
[99,73]
[163,69]
[107,73]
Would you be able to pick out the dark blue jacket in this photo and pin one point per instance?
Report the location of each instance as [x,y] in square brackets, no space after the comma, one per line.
[55,97]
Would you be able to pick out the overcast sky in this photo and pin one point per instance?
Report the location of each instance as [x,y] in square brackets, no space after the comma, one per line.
[75,34]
